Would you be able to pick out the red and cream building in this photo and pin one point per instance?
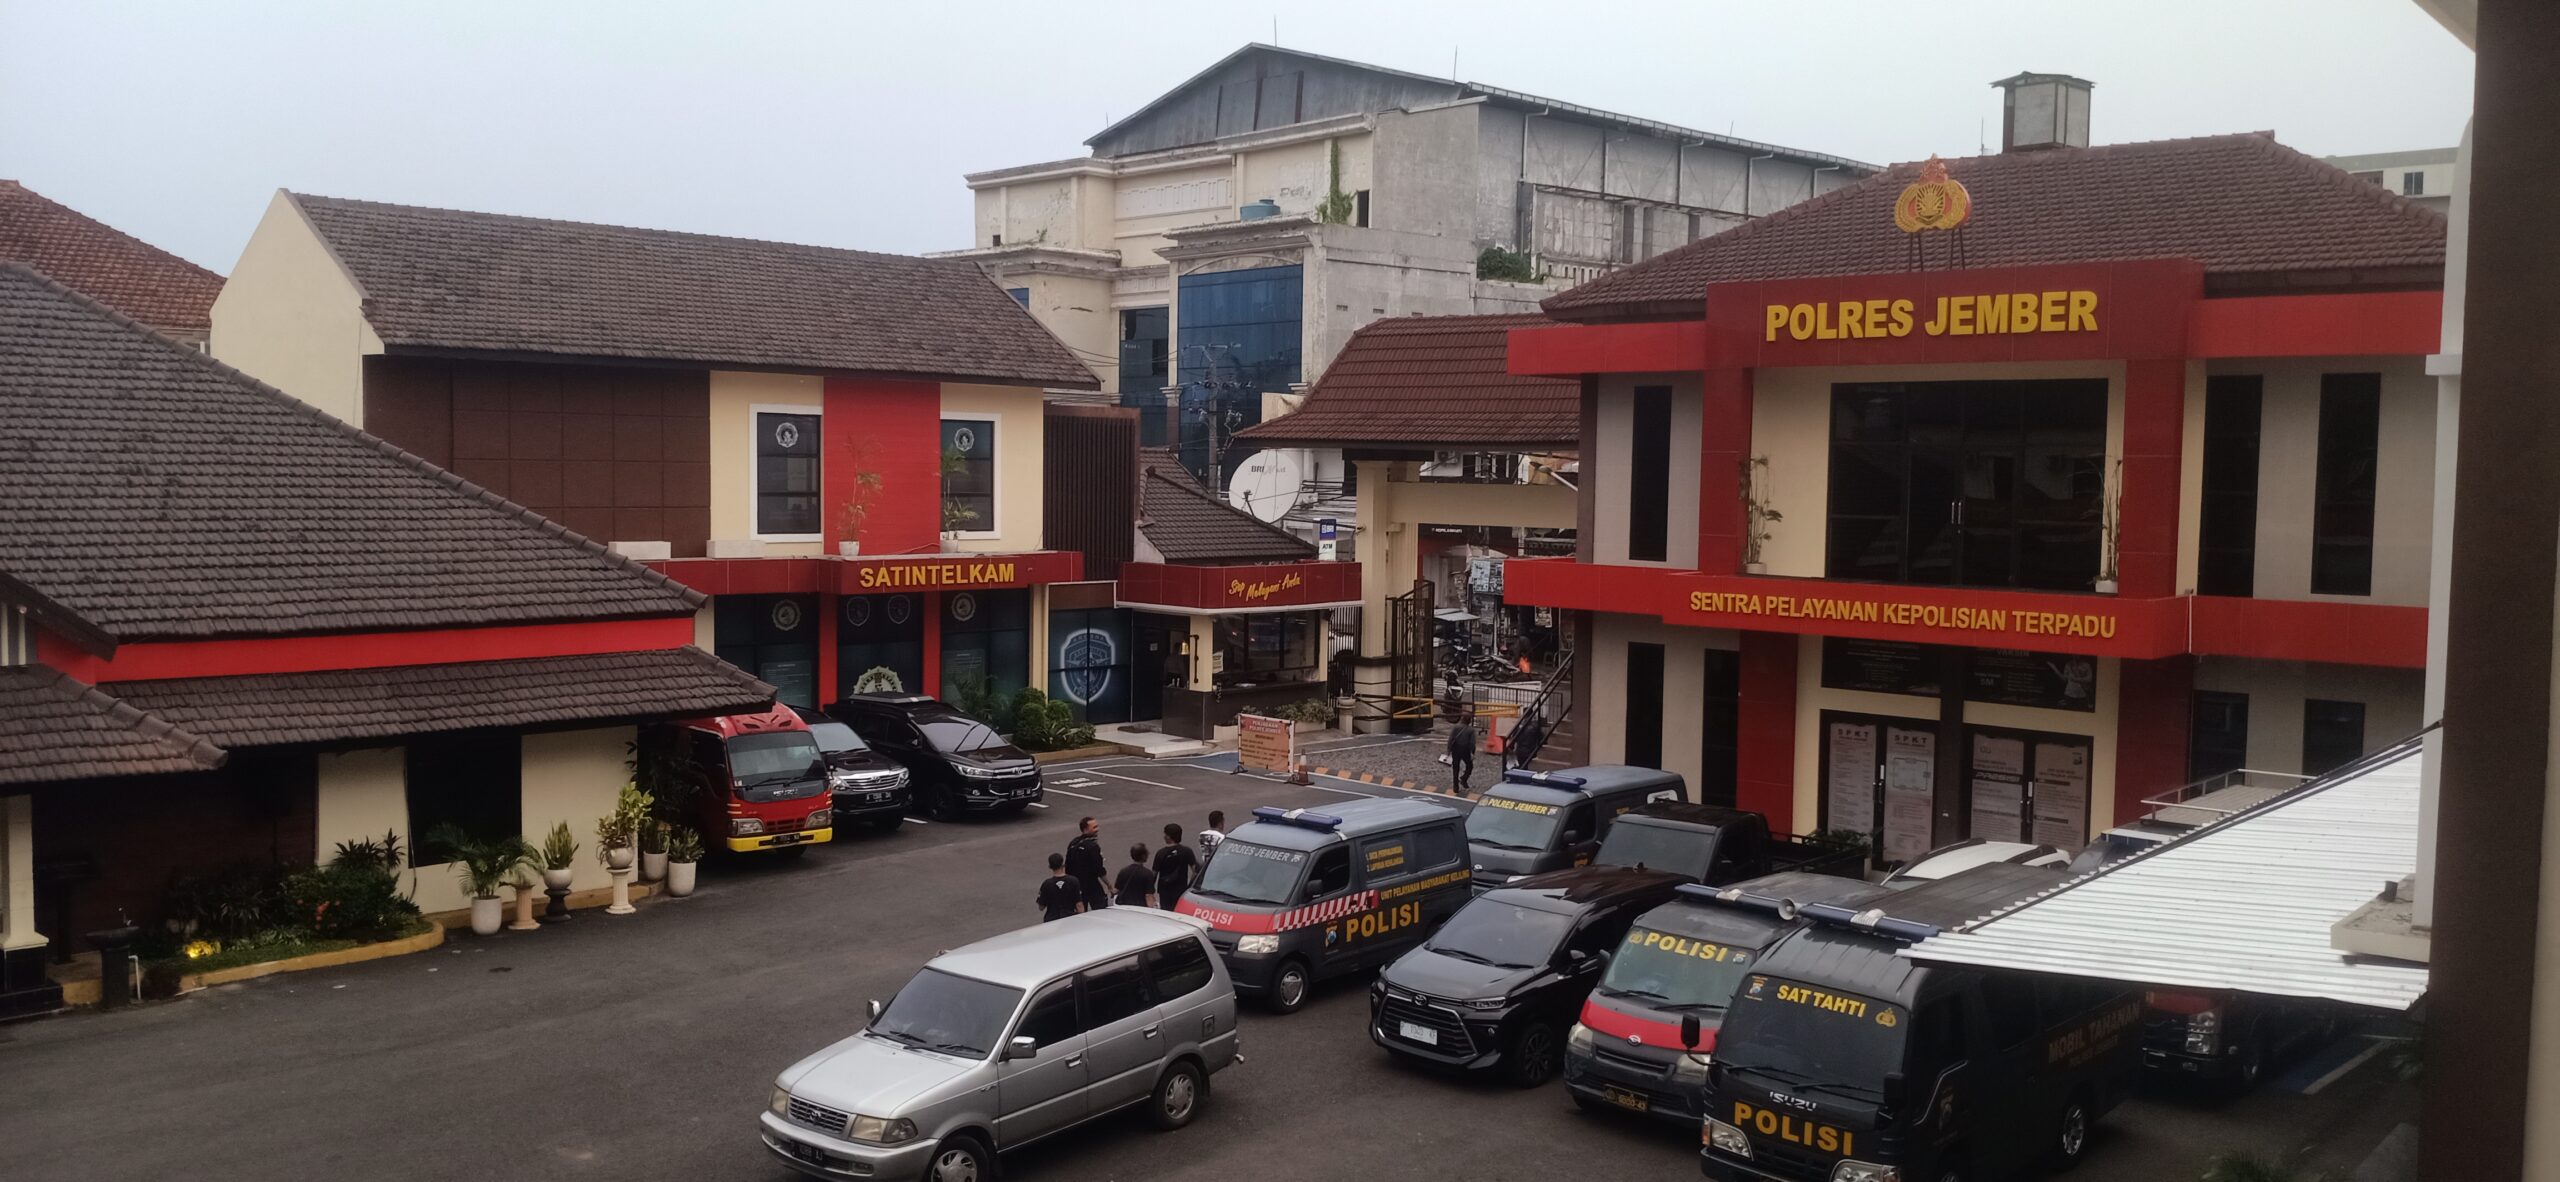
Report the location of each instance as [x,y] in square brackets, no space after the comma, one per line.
[1987,499]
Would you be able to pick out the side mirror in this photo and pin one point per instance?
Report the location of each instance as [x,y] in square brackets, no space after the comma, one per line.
[1022,1046]
[872,1007]
[1573,837]
[1892,1090]
[1689,1032]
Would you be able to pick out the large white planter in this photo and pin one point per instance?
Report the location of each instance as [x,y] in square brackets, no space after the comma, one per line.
[653,866]
[487,914]
[680,878]
[558,878]
[619,857]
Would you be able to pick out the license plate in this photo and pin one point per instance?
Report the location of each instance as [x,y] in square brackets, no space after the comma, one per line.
[787,839]
[1419,1033]
[808,1153]
[1631,1101]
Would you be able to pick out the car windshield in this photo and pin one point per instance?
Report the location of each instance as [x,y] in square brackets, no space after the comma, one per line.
[835,738]
[955,735]
[1513,824]
[775,765]
[1676,972]
[1796,1034]
[954,1015]
[1243,872]
[1681,849]
[1492,932]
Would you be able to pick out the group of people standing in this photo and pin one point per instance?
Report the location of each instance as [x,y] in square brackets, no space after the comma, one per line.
[1077,883]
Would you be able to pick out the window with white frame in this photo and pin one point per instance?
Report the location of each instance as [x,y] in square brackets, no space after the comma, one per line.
[969,476]
[786,473]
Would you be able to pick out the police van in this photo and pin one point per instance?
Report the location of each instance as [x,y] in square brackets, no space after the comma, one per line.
[1648,1031]
[1534,822]
[1295,896]
[1839,1059]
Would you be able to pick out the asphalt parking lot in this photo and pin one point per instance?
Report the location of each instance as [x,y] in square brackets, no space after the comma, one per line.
[643,1046]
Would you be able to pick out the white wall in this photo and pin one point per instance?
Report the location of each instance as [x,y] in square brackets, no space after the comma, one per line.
[291,317]
[2277,689]
[1606,474]
[1602,716]
[1020,464]
[734,397]
[2288,474]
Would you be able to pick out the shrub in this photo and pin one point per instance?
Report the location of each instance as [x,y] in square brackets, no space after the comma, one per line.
[484,863]
[1043,723]
[972,694]
[353,897]
[560,848]
[1513,265]
[684,845]
[228,903]
[1312,712]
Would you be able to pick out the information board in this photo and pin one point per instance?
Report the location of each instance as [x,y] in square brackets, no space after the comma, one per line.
[2062,795]
[1910,791]
[1852,790]
[1263,744]
[1999,788]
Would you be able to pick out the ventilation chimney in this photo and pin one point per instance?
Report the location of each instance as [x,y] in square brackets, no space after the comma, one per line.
[2043,111]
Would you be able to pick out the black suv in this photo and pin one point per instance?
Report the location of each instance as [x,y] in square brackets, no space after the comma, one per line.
[869,788]
[959,764]
[1498,984]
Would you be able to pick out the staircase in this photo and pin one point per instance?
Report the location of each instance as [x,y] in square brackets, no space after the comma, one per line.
[1543,740]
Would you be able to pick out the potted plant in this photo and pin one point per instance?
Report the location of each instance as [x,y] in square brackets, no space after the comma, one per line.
[684,851]
[2107,531]
[1757,515]
[485,864]
[867,484]
[956,517]
[653,850]
[615,834]
[559,855]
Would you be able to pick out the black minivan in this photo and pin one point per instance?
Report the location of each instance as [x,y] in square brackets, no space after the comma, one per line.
[868,788]
[1498,985]
[960,765]
[1533,822]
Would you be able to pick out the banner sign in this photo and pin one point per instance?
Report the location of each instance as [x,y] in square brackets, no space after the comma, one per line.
[1264,744]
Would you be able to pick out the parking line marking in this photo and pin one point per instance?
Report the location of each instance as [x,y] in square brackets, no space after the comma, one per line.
[1037,805]
[1077,795]
[1136,780]
[918,821]
[2343,1068]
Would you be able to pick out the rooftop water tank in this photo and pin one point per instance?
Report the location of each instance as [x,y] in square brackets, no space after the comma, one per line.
[1264,208]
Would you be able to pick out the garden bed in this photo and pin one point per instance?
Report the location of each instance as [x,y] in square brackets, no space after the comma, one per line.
[240,963]
[1087,751]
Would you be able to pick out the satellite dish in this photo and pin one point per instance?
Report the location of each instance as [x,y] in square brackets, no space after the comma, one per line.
[1267,483]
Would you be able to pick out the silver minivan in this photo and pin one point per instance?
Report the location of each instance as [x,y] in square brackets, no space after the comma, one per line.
[1002,1042]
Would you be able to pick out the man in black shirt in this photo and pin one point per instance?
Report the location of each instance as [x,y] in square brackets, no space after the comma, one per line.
[1084,864]
[1176,866]
[1462,753]
[1060,897]
[1137,884]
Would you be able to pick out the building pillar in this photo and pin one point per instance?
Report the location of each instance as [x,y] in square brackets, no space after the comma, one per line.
[18,875]
[2146,492]
[1380,579]
[1765,748]
[830,613]
[2155,710]
[930,607]
[1724,433]
[1203,675]
[2491,1108]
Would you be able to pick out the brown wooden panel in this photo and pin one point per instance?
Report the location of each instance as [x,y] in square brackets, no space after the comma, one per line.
[1090,486]
[488,473]
[635,485]
[479,435]
[637,438]
[685,485]
[687,438]
[638,525]
[533,435]
[586,482]
[410,403]
[535,484]
[1068,597]
[586,437]
[534,388]
[687,394]
[586,391]
[689,530]
[593,522]
[480,385]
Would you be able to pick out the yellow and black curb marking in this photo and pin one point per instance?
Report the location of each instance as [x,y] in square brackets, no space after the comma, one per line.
[1387,781]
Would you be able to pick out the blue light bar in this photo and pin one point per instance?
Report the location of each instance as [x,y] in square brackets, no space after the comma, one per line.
[1321,822]
[1520,775]
[1871,920]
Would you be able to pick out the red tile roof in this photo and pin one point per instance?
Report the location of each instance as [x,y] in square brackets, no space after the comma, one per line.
[2258,215]
[483,282]
[1185,522]
[1432,383]
[150,285]
[53,727]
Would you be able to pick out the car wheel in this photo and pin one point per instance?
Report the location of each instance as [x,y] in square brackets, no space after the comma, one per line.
[2071,1132]
[1533,1054]
[1179,1095]
[961,1159]
[887,824]
[940,805]
[2248,1065]
[1289,987]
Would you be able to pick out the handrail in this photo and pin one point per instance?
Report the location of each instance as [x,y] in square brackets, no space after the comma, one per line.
[1534,715]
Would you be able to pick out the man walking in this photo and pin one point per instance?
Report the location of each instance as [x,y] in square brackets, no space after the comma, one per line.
[1176,866]
[1462,752]
[1210,836]
[1137,884]
[1085,864]
[1060,897]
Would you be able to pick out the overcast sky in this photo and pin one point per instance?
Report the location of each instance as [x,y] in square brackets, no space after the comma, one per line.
[851,124]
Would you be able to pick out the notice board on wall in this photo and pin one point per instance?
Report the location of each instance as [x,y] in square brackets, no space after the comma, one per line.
[1910,791]
[2062,795]
[1999,788]
[1850,794]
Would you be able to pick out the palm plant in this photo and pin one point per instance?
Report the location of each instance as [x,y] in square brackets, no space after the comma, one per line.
[484,863]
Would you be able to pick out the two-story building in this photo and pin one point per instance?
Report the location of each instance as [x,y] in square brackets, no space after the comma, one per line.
[1988,498]
[845,450]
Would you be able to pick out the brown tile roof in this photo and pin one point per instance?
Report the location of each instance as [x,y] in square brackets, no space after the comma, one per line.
[450,280]
[1185,522]
[53,727]
[290,708]
[148,491]
[1431,382]
[2257,214]
[108,265]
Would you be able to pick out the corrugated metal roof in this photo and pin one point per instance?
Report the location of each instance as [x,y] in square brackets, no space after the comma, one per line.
[2244,905]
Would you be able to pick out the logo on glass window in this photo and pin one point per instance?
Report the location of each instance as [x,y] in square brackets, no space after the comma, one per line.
[964,607]
[786,434]
[1085,660]
[786,615]
[964,439]
[857,610]
[901,609]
